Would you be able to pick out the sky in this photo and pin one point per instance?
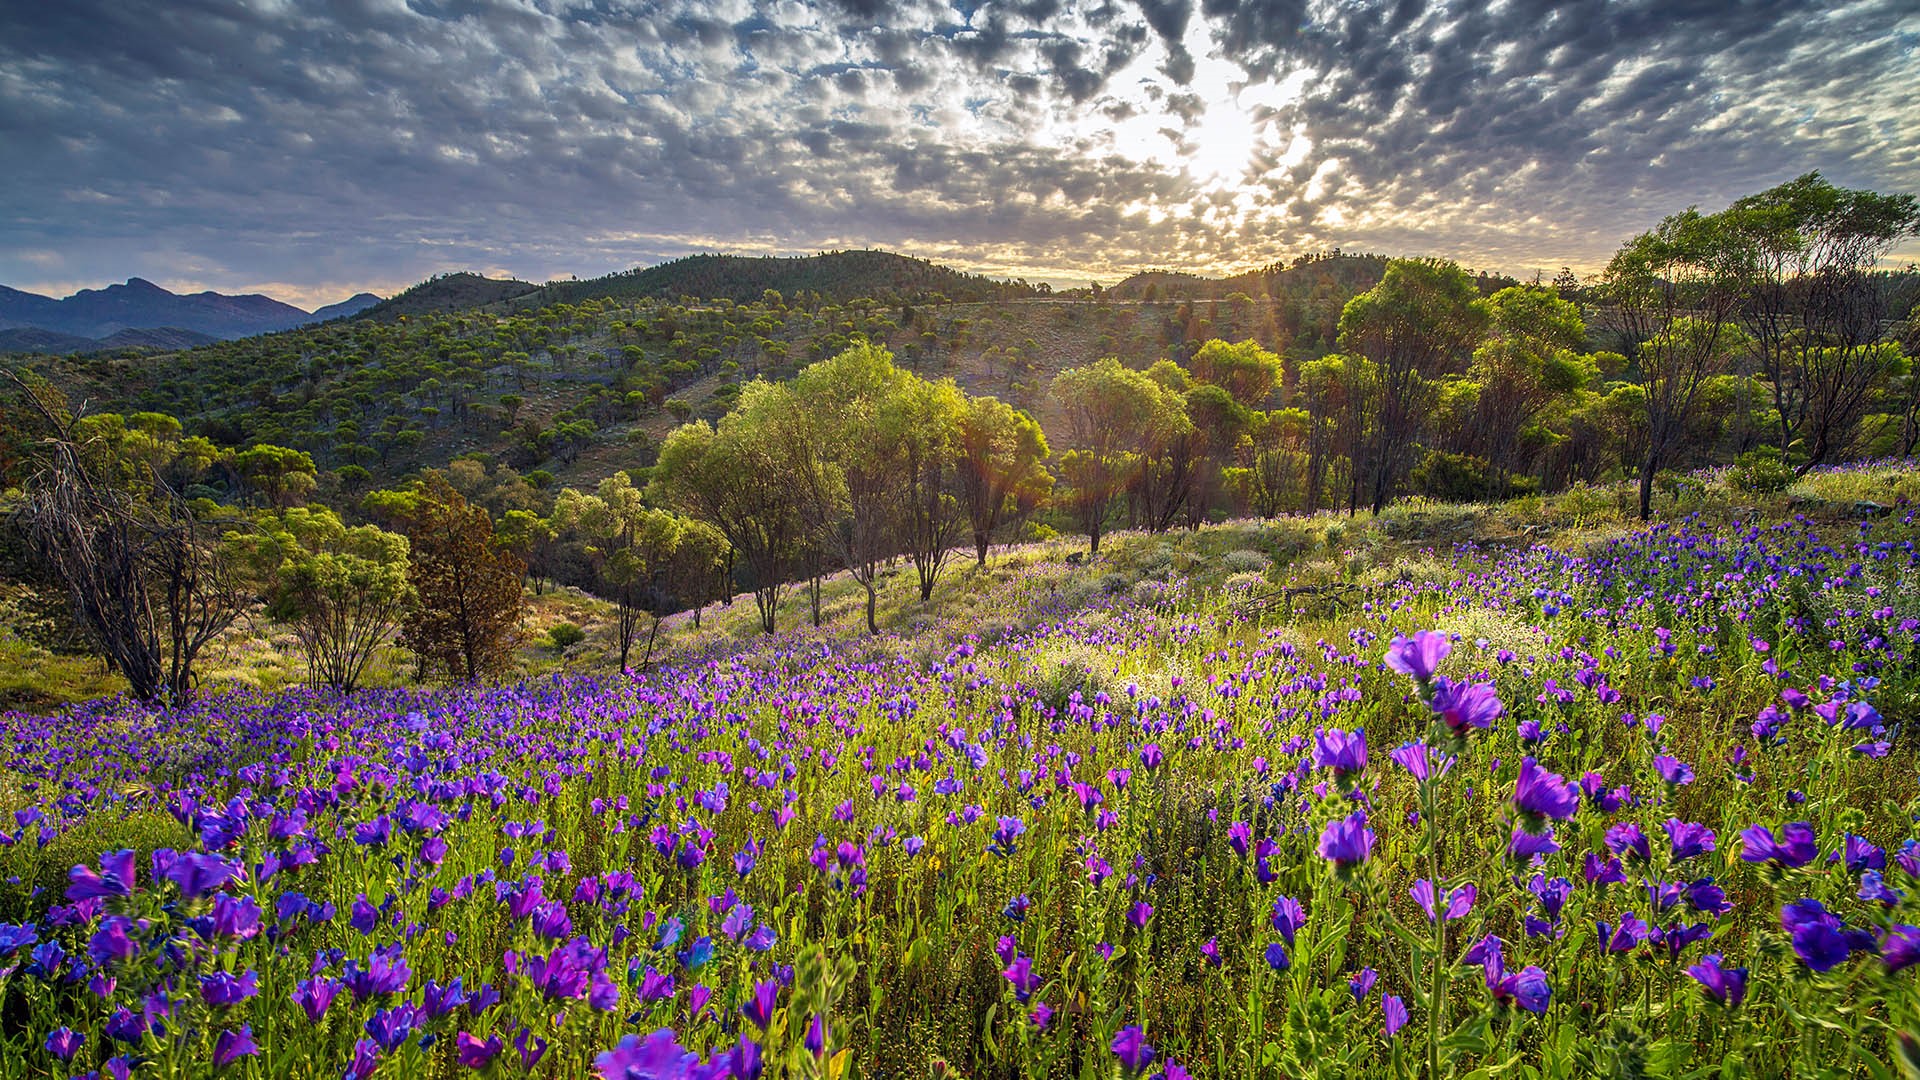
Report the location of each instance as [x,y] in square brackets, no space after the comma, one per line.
[315,149]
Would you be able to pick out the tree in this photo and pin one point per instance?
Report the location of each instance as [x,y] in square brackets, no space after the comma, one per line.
[842,430]
[531,537]
[1419,323]
[146,576]
[999,456]
[700,568]
[282,475]
[631,543]
[1245,370]
[1115,418]
[925,421]
[1813,313]
[342,589]
[468,597]
[732,477]
[1526,364]
[1674,289]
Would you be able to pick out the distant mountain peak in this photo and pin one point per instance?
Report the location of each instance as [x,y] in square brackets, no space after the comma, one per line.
[164,317]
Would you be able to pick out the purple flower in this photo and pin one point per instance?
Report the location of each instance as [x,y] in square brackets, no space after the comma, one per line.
[474,1054]
[1277,957]
[1151,756]
[657,1057]
[1688,839]
[116,878]
[1820,946]
[315,996]
[1673,770]
[1524,845]
[1003,837]
[366,1059]
[391,1027]
[1859,854]
[1139,913]
[1900,949]
[1728,986]
[1459,901]
[1041,1015]
[816,1038]
[1396,1014]
[1287,917]
[1347,842]
[1130,1046]
[1463,706]
[1794,847]
[1541,795]
[1240,838]
[386,973]
[64,1042]
[112,942]
[1343,752]
[222,989]
[230,1046]
[1021,975]
[1420,656]
[1420,760]
[1818,935]
[194,874]
[1361,983]
[1626,937]
[1626,839]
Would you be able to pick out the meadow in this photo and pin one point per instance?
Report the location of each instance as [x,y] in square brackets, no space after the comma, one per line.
[1266,800]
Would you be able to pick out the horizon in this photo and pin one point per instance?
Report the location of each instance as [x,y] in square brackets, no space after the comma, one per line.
[313,156]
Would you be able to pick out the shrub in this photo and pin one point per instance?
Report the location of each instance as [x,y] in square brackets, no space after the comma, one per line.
[563,636]
[1465,478]
[1245,561]
[1761,471]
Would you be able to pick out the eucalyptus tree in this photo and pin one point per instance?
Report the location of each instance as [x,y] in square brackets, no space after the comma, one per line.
[1674,290]
[1000,458]
[1115,418]
[735,477]
[632,545]
[1814,314]
[1419,323]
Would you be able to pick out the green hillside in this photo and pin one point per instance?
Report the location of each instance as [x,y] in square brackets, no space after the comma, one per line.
[582,389]
[838,277]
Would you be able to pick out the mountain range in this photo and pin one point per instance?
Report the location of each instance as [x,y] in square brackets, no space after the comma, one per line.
[140,313]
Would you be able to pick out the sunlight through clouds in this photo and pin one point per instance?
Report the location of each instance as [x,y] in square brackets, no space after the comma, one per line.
[1065,141]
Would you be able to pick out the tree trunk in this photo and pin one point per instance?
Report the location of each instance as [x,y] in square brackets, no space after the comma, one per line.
[1647,469]
[979,549]
[873,627]
[647,662]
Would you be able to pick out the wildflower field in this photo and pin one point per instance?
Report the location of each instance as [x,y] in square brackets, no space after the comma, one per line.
[1640,807]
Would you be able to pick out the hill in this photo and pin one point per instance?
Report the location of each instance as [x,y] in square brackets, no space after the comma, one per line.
[33,339]
[445,293]
[140,304]
[837,276]
[1350,273]
[352,305]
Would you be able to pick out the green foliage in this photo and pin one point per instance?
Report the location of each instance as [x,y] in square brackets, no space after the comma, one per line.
[342,589]
[1463,478]
[1761,470]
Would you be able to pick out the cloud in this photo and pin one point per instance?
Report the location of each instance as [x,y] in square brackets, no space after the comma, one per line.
[371,142]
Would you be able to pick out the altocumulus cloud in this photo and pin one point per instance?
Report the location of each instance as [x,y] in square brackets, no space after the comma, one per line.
[313,148]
